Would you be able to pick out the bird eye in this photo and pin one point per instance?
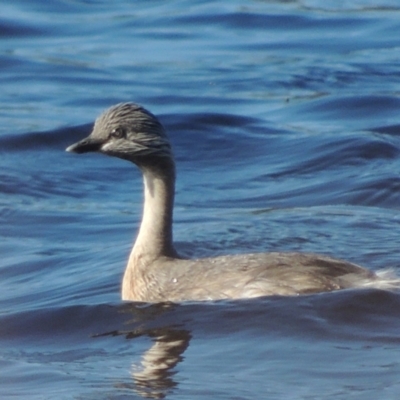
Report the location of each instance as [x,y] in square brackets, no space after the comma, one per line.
[118,133]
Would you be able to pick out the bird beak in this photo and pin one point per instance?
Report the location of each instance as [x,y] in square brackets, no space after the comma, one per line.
[86,145]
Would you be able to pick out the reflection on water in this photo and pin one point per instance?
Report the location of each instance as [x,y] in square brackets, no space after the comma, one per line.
[155,375]
[153,378]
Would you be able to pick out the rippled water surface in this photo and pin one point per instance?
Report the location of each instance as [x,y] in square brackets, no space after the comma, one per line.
[284,118]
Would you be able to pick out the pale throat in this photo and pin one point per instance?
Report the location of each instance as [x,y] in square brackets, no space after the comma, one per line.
[155,233]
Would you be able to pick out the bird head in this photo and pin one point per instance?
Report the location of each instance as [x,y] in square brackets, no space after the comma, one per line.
[127,131]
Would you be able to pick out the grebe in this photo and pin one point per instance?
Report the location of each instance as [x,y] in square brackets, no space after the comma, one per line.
[155,272]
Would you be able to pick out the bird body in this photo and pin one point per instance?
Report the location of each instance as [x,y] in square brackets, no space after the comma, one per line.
[238,276]
[155,272]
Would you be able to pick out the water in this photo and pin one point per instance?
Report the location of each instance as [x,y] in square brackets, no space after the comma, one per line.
[284,120]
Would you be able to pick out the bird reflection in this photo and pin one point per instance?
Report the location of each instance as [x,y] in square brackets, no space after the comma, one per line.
[153,377]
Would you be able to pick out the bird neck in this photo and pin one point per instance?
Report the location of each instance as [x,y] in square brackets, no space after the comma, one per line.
[155,234]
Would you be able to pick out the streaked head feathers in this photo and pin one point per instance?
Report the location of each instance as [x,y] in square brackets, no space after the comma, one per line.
[127,131]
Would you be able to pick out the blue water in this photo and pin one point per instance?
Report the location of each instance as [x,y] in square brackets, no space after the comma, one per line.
[284,119]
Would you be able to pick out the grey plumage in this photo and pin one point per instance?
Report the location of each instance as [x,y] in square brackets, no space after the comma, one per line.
[155,272]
